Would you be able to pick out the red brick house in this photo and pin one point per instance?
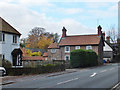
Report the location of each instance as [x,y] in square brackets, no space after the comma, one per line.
[61,51]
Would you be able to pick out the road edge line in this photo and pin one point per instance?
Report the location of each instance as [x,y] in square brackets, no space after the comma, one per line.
[116,86]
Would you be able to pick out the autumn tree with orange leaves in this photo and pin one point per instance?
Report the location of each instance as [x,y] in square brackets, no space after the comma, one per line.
[39,38]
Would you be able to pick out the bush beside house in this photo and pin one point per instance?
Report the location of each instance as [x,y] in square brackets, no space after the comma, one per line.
[6,64]
[83,58]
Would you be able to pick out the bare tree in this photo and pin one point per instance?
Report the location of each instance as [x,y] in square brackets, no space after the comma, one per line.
[113,34]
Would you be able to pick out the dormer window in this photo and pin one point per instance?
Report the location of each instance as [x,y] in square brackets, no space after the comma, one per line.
[67,48]
[14,39]
[77,47]
[88,47]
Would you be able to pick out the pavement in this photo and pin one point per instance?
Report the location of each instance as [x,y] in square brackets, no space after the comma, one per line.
[95,77]
[13,79]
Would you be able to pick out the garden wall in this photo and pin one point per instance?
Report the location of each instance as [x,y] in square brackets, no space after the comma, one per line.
[37,70]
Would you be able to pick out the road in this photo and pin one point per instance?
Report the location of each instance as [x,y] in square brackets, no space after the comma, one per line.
[96,77]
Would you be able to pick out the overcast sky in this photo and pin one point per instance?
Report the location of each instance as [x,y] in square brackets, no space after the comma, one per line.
[77,16]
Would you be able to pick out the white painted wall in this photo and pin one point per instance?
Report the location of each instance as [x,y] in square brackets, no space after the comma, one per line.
[107,47]
[7,47]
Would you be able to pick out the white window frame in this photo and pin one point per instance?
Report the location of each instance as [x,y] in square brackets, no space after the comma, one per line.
[46,59]
[53,50]
[67,56]
[66,48]
[88,47]
[53,58]
[15,39]
[77,47]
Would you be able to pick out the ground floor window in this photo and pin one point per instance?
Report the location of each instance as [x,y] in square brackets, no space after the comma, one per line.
[0,56]
[67,57]
[53,59]
[3,57]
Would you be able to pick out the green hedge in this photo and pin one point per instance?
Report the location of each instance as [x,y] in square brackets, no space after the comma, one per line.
[83,58]
[38,70]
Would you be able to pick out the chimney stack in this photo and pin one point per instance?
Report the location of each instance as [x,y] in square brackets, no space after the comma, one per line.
[108,39]
[103,35]
[64,32]
[99,30]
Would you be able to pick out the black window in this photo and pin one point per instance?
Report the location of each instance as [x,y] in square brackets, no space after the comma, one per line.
[3,37]
[14,39]
[0,36]
[67,58]
[3,57]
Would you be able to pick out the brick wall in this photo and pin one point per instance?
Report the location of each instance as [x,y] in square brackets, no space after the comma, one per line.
[60,53]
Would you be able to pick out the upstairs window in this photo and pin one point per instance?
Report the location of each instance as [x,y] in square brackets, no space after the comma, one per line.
[88,47]
[53,50]
[77,47]
[67,48]
[2,36]
[14,39]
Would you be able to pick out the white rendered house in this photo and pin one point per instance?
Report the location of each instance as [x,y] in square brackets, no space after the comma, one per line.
[107,51]
[9,43]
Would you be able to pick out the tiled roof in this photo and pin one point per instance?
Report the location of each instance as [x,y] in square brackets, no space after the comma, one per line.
[53,45]
[32,58]
[24,52]
[80,40]
[6,27]
[45,54]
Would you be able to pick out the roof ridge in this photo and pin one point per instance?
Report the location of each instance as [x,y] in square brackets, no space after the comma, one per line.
[10,26]
[83,35]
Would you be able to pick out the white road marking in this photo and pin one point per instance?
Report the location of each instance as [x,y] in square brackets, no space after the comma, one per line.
[67,81]
[111,68]
[103,71]
[93,74]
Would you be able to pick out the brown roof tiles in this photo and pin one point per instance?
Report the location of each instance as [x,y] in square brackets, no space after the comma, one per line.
[53,45]
[32,58]
[80,40]
[6,27]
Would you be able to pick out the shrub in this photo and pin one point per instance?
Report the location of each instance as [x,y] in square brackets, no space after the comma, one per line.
[49,65]
[83,58]
[36,53]
[6,64]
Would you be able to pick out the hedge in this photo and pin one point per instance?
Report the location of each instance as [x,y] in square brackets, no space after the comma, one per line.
[37,70]
[83,58]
